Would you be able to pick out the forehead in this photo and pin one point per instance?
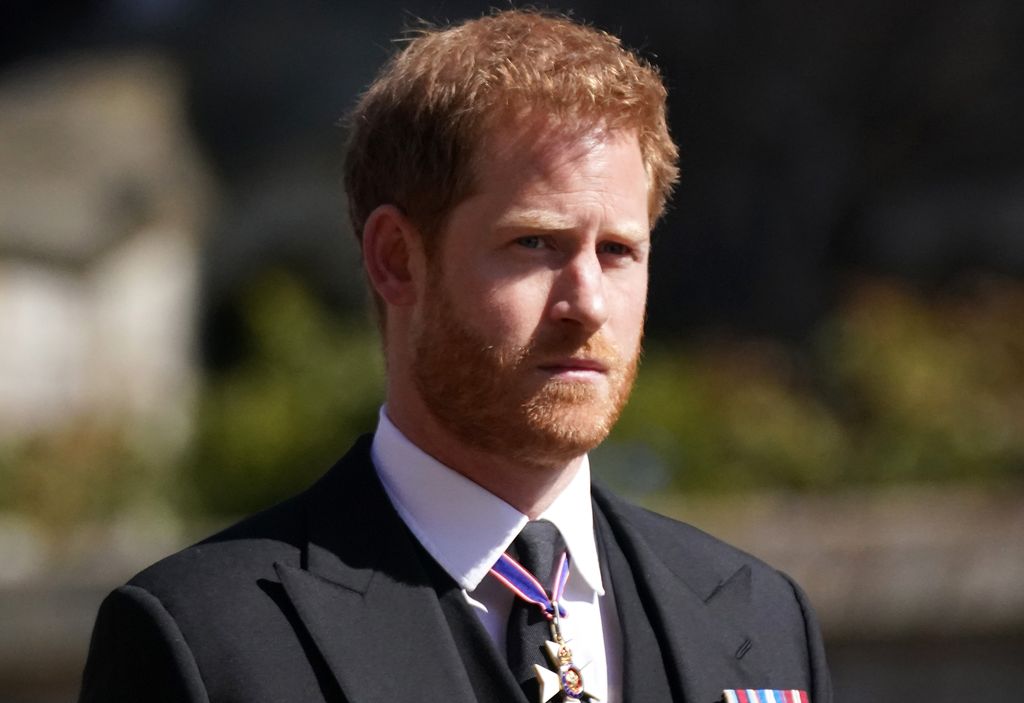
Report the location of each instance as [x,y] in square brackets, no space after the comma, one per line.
[518,154]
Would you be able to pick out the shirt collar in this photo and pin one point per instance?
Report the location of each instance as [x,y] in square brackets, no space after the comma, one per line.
[465,527]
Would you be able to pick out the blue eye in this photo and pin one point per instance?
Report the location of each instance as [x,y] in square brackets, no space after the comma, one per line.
[616,249]
[533,242]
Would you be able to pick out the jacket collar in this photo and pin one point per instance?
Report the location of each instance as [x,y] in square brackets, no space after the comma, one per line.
[366,598]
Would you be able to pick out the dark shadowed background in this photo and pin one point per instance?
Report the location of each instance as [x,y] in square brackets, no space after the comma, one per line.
[834,369]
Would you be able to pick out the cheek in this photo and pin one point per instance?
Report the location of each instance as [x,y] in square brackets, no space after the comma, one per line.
[507,312]
[514,311]
[629,304]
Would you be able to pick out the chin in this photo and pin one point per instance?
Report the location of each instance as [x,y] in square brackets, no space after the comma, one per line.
[560,432]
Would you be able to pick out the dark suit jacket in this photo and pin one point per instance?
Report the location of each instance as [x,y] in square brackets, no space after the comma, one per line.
[326,597]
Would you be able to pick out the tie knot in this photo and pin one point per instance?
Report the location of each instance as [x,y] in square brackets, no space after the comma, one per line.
[536,548]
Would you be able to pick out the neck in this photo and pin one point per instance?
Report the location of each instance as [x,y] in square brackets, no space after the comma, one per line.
[529,487]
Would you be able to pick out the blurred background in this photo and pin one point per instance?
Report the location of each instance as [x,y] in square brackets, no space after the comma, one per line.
[834,372]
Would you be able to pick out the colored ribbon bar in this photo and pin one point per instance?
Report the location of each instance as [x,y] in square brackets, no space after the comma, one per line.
[763,695]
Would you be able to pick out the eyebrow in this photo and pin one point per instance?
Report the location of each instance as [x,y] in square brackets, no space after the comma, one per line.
[547,221]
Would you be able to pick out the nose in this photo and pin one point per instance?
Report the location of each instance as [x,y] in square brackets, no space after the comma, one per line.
[578,296]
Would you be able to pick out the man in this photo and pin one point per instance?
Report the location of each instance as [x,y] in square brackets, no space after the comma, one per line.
[503,175]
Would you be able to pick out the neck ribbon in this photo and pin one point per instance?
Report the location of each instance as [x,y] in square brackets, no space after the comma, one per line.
[526,586]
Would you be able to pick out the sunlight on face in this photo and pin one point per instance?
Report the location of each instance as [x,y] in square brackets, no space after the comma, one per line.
[529,334]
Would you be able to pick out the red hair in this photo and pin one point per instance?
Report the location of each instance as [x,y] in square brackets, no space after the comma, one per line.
[416,130]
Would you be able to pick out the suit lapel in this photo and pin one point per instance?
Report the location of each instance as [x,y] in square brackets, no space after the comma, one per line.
[644,674]
[487,667]
[365,597]
[697,618]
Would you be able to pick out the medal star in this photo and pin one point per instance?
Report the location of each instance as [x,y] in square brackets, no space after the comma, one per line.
[550,683]
[564,682]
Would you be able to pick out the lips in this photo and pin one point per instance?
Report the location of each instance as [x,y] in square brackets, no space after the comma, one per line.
[574,364]
[572,356]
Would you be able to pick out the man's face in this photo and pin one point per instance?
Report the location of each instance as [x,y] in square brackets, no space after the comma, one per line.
[528,335]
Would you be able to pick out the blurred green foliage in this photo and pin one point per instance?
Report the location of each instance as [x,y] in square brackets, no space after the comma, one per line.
[896,386]
[276,422]
[83,471]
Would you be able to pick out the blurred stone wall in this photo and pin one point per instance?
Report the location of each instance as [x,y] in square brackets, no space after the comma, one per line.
[101,196]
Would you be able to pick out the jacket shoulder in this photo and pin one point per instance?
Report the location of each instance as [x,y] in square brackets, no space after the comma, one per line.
[240,559]
[702,560]
[239,554]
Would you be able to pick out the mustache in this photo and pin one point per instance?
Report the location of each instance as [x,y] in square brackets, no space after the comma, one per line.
[595,347]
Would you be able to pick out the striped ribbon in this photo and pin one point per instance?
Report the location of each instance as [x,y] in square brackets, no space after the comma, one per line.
[763,695]
[526,586]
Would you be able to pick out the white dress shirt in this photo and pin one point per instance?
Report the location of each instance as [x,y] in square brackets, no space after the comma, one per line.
[465,529]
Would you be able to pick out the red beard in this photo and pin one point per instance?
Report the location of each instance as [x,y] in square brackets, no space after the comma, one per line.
[494,398]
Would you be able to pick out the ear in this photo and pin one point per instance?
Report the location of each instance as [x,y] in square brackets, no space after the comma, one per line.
[392,254]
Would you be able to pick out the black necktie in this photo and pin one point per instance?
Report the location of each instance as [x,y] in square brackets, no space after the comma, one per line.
[536,548]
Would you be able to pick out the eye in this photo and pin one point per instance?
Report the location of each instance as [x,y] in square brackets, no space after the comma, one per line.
[615,249]
[530,242]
